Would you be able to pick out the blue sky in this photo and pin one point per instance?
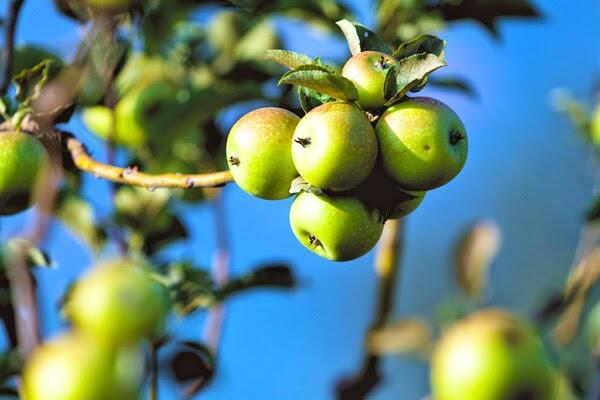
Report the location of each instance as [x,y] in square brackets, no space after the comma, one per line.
[527,171]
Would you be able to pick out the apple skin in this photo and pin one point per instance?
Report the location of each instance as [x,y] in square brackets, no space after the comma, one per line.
[24,163]
[259,152]
[423,143]
[334,146]
[492,355]
[380,192]
[336,227]
[117,302]
[367,70]
[70,367]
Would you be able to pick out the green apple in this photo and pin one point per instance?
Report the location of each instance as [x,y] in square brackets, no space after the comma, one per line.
[367,70]
[71,367]
[492,355]
[423,143]
[380,192]
[148,111]
[259,152]
[337,227]
[118,302]
[596,126]
[334,146]
[23,165]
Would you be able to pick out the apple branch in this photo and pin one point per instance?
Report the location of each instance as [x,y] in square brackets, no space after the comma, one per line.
[9,43]
[387,265]
[132,176]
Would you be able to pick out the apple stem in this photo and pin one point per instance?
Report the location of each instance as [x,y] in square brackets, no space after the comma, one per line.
[304,142]
[234,161]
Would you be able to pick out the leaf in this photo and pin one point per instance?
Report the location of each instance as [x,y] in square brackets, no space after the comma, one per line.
[429,44]
[192,362]
[487,12]
[191,288]
[79,217]
[300,185]
[360,38]
[310,99]
[270,275]
[321,79]
[19,247]
[563,101]
[474,252]
[29,82]
[454,83]
[408,74]
[408,336]
[593,214]
[289,59]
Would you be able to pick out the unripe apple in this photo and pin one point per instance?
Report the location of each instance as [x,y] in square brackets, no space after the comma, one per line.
[144,112]
[596,125]
[23,165]
[259,152]
[334,146]
[422,142]
[492,355]
[71,367]
[380,192]
[367,70]
[337,227]
[118,302]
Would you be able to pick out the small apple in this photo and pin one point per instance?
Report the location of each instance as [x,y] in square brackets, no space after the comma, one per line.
[596,126]
[71,367]
[23,165]
[492,355]
[423,144]
[334,146]
[367,70]
[118,302]
[259,152]
[337,227]
[380,192]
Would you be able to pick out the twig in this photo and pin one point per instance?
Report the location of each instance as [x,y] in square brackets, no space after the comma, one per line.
[131,176]
[387,265]
[153,395]
[9,43]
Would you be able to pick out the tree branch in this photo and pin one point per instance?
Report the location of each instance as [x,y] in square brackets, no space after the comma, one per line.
[387,265]
[9,43]
[131,176]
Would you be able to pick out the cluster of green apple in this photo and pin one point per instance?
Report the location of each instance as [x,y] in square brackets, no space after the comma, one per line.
[357,170]
[114,309]
[492,355]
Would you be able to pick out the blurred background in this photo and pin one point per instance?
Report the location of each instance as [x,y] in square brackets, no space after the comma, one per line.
[527,170]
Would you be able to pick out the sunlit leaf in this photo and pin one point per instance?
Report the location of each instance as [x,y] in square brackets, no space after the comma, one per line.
[408,336]
[408,74]
[360,38]
[322,80]
[289,59]
[429,44]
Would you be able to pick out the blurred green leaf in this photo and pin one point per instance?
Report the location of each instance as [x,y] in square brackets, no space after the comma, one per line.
[79,217]
[454,83]
[192,361]
[191,288]
[409,73]
[289,59]
[29,82]
[322,80]
[265,276]
[27,57]
[474,253]
[360,38]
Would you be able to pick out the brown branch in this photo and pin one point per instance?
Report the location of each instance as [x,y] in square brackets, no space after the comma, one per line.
[387,265]
[131,176]
[9,43]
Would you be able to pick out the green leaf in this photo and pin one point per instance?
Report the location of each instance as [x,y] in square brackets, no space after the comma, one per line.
[193,361]
[270,275]
[191,288]
[289,59]
[360,38]
[473,255]
[408,74]
[79,217]
[593,213]
[422,44]
[322,80]
[300,185]
[408,336]
[29,82]
[310,99]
